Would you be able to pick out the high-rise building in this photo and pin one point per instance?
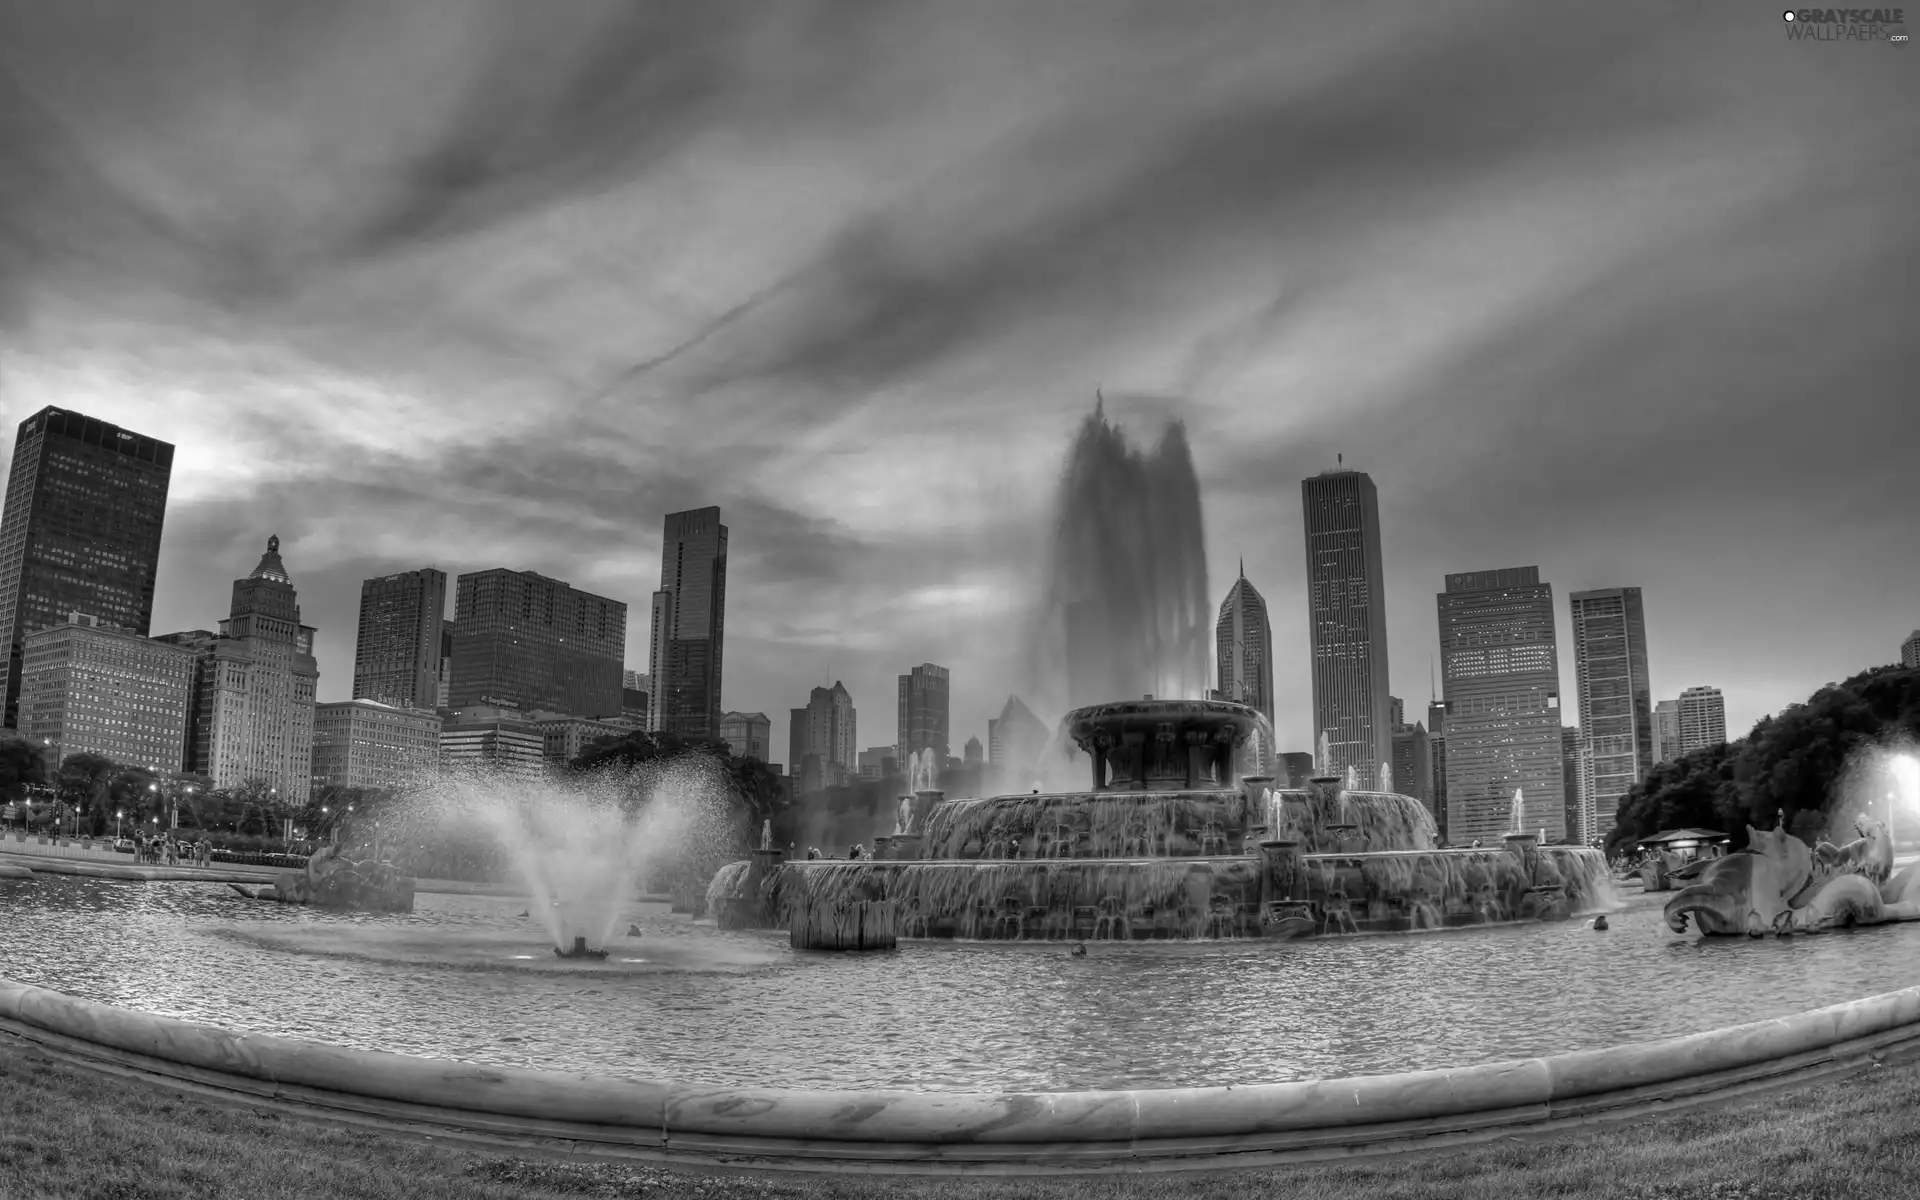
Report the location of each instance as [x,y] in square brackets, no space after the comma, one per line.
[396,658]
[1703,718]
[368,744]
[1396,712]
[1577,821]
[750,735]
[689,625]
[1437,751]
[81,529]
[524,641]
[923,712]
[253,701]
[1413,763]
[565,737]
[1666,731]
[1909,649]
[1501,673]
[1616,704]
[446,664]
[825,729]
[1015,738]
[1347,621]
[974,753]
[494,740]
[87,688]
[1243,646]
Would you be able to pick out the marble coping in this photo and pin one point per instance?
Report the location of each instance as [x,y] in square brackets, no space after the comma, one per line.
[649,1112]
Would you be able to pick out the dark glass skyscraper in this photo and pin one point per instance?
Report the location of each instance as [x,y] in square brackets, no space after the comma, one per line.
[525,641]
[1616,702]
[923,713]
[396,659]
[1243,650]
[1347,622]
[689,625]
[81,530]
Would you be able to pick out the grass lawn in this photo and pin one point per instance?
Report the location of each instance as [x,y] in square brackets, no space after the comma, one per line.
[67,1133]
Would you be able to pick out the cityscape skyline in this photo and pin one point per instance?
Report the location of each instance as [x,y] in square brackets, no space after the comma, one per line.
[869,371]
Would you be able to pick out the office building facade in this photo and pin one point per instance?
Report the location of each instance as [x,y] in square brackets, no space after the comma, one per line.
[1413,764]
[748,735]
[923,713]
[1615,701]
[1437,754]
[879,762]
[689,625]
[489,740]
[1500,672]
[1910,650]
[1581,828]
[1666,731]
[825,732]
[564,737]
[524,641]
[398,648]
[1243,654]
[1347,622]
[80,531]
[369,744]
[87,688]
[1703,718]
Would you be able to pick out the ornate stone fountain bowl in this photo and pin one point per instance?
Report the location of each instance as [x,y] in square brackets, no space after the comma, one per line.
[1154,745]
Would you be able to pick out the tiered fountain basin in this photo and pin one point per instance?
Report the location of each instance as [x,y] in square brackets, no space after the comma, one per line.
[1165,845]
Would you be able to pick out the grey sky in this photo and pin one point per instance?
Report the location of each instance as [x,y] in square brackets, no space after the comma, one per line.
[1626,291]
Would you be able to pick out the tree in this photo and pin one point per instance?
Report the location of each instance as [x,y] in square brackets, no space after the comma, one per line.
[1790,766]
[23,763]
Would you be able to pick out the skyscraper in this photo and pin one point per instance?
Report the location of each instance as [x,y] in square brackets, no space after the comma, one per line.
[89,688]
[1501,675]
[1579,828]
[81,529]
[1437,751]
[396,657]
[1616,706]
[1243,651]
[1703,718]
[1015,740]
[923,713]
[1347,621]
[689,625]
[1666,731]
[523,641]
[825,731]
[1909,649]
[1413,764]
[252,716]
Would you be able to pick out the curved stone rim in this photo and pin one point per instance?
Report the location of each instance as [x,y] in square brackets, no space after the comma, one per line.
[959,1127]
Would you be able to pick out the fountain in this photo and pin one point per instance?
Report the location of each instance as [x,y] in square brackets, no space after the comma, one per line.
[1169,842]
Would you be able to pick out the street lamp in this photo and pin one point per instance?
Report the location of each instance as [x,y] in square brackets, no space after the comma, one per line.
[118,814]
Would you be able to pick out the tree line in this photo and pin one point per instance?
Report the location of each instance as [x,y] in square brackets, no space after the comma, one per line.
[1792,765]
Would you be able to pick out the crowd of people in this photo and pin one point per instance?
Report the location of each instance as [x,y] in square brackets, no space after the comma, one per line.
[164,849]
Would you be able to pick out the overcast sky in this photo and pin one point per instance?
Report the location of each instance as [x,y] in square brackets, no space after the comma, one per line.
[1627,291]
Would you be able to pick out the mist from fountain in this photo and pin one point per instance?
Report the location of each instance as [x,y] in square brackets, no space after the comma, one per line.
[1127,569]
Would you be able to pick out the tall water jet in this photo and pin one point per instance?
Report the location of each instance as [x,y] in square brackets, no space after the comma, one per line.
[1126,610]
[1517,814]
[1386,777]
[1324,763]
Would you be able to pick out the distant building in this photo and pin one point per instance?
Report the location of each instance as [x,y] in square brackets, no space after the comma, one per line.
[1501,675]
[87,688]
[1413,764]
[1601,823]
[494,740]
[253,700]
[825,730]
[1397,712]
[367,744]
[1016,739]
[974,754]
[923,712]
[1910,650]
[1437,751]
[689,625]
[446,664]
[1243,647]
[397,651]
[565,737]
[638,681]
[750,735]
[1295,769]
[1616,705]
[633,707]
[879,762]
[1703,718]
[1666,731]
[1347,621]
[85,503]
[524,641]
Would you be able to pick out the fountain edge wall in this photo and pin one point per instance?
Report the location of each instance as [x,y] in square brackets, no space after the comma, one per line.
[935,1132]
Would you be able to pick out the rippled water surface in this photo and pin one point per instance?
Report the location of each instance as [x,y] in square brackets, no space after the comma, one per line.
[742,1008]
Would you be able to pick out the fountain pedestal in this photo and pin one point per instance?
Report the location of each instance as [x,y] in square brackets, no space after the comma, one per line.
[1284,910]
[835,923]
[907,847]
[882,845]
